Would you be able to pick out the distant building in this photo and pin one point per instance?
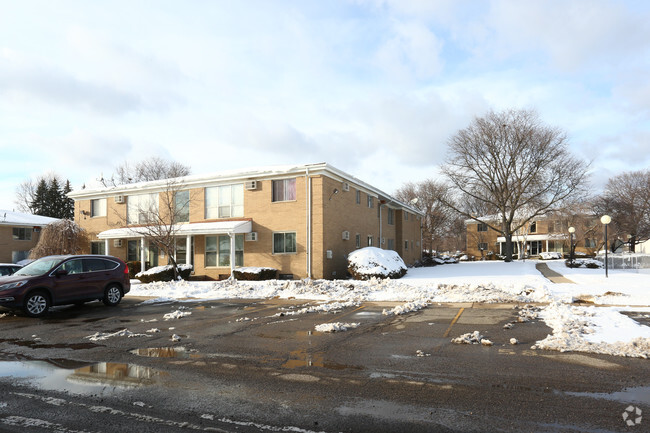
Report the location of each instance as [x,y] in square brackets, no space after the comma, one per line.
[19,233]
[301,220]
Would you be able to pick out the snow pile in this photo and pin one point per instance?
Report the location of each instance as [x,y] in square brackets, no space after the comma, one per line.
[371,262]
[489,293]
[336,327]
[405,308]
[333,307]
[158,269]
[472,338]
[99,336]
[595,330]
[176,315]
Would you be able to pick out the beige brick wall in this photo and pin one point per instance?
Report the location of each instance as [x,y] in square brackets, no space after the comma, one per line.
[8,245]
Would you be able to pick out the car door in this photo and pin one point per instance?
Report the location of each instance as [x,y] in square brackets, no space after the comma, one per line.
[69,281]
[98,273]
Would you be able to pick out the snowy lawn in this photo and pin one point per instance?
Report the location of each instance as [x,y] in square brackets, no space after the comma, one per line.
[590,329]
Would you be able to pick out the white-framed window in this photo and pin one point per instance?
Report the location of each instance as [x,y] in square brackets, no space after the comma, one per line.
[182,206]
[217,251]
[358,197]
[225,201]
[284,243]
[22,233]
[391,217]
[98,207]
[371,201]
[98,247]
[141,208]
[481,227]
[369,240]
[533,227]
[284,190]
[391,244]
[357,240]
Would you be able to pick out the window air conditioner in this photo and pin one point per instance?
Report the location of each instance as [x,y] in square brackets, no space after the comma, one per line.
[252,236]
[117,243]
[346,186]
[250,184]
[119,199]
[346,235]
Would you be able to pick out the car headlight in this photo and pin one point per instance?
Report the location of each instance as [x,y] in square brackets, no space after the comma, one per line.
[9,286]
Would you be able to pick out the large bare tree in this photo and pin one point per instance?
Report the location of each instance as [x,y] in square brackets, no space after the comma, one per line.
[152,168]
[60,237]
[510,161]
[626,199]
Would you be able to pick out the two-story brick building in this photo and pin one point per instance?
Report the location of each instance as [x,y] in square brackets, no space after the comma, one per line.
[544,234]
[302,220]
[19,233]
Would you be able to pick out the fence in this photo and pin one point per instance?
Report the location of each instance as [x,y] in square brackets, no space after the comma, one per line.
[625,260]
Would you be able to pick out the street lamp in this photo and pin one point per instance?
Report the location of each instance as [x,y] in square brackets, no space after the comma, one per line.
[572,230]
[606,219]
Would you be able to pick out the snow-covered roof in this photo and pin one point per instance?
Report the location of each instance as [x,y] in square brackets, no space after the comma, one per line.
[221,177]
[19,219]
[220,227]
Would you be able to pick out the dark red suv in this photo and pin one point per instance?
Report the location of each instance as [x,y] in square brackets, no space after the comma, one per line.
[59,280]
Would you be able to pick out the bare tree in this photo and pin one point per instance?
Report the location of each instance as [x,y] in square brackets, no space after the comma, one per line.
[510,161]
[627,199]
[60,237]
[153,168]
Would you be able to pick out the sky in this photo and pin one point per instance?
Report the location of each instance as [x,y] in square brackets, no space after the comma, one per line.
[373,87]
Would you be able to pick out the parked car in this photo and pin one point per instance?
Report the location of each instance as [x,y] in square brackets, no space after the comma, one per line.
[60,280]
[8,269]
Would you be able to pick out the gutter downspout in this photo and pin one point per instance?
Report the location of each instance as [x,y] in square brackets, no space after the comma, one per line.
[308,251]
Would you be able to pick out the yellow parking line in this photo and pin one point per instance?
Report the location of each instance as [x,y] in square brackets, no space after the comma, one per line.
[446,334]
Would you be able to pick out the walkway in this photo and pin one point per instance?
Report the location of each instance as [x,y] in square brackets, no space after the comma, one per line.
[553,276]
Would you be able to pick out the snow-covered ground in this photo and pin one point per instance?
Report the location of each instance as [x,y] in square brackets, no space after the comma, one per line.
[599,329]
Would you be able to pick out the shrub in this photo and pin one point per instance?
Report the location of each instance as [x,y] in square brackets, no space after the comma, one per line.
[164,273]
[255,274]
[134,268]
[372,262]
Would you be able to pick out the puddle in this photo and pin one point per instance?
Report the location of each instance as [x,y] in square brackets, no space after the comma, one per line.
[89,379]
[639,394]
[39,345]
[302,359]
[166,352]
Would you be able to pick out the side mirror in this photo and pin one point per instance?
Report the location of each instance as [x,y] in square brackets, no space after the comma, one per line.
[60,272]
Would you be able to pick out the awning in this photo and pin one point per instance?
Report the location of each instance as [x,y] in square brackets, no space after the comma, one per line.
[212,228]
[529,238]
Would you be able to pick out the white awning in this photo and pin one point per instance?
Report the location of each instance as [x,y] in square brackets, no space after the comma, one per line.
[212,228]
[529,238]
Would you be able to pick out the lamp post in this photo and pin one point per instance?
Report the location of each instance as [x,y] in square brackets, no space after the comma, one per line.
[606,219]
[572,230]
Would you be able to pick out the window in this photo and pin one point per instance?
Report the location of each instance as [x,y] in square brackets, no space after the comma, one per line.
[98,248]
[369,241]
[98,207]
[217,251]
[391,244]
[181,250]
[284,190]
[22,234]
[482,246]
[482,227]
[533,227]
[391,217]
[182,206]
[284,243]
[371,201]
[406,245]
[590,243]
[133,251]
[17,256]
[358,197]
[406,215]
[141,208]
[226,201]
[357,241]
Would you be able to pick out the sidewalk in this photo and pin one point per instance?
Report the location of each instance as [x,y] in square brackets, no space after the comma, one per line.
[551,275]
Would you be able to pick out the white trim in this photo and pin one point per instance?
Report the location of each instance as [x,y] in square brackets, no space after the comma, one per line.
[213,228]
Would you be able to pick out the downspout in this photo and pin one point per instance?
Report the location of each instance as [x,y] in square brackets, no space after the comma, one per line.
[232,255]
[308,250]
[380,228]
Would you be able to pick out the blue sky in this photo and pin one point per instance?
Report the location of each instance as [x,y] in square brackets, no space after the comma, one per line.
[373,87]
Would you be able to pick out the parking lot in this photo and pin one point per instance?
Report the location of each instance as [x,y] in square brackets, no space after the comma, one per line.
[261,365]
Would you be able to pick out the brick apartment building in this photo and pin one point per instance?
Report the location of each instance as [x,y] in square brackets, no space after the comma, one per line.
[19,233]
[301,220]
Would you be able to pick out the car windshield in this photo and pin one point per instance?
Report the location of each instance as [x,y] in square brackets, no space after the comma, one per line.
[39,267]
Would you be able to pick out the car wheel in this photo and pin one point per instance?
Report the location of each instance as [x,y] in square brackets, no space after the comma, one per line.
[36,304]
[112,295]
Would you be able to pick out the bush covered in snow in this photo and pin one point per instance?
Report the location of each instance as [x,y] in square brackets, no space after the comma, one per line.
[550,255]
[255,274]
[372,262]
[584,263]
[164,273]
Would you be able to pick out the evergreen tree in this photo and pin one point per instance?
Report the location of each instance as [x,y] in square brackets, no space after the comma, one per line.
[54,199]
[39,204]
[68,203]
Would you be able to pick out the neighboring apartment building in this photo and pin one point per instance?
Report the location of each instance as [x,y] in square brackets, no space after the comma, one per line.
[19,233]
[302,220]
[544,234]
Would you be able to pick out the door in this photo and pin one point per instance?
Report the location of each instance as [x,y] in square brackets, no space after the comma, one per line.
[69,281]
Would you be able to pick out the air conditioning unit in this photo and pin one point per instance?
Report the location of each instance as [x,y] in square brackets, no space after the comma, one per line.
[345,186]
[250,184]
[119,199]
[346,235]
[251,237]
[117,243]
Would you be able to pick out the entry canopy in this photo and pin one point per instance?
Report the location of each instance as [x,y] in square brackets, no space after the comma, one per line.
[212,228]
